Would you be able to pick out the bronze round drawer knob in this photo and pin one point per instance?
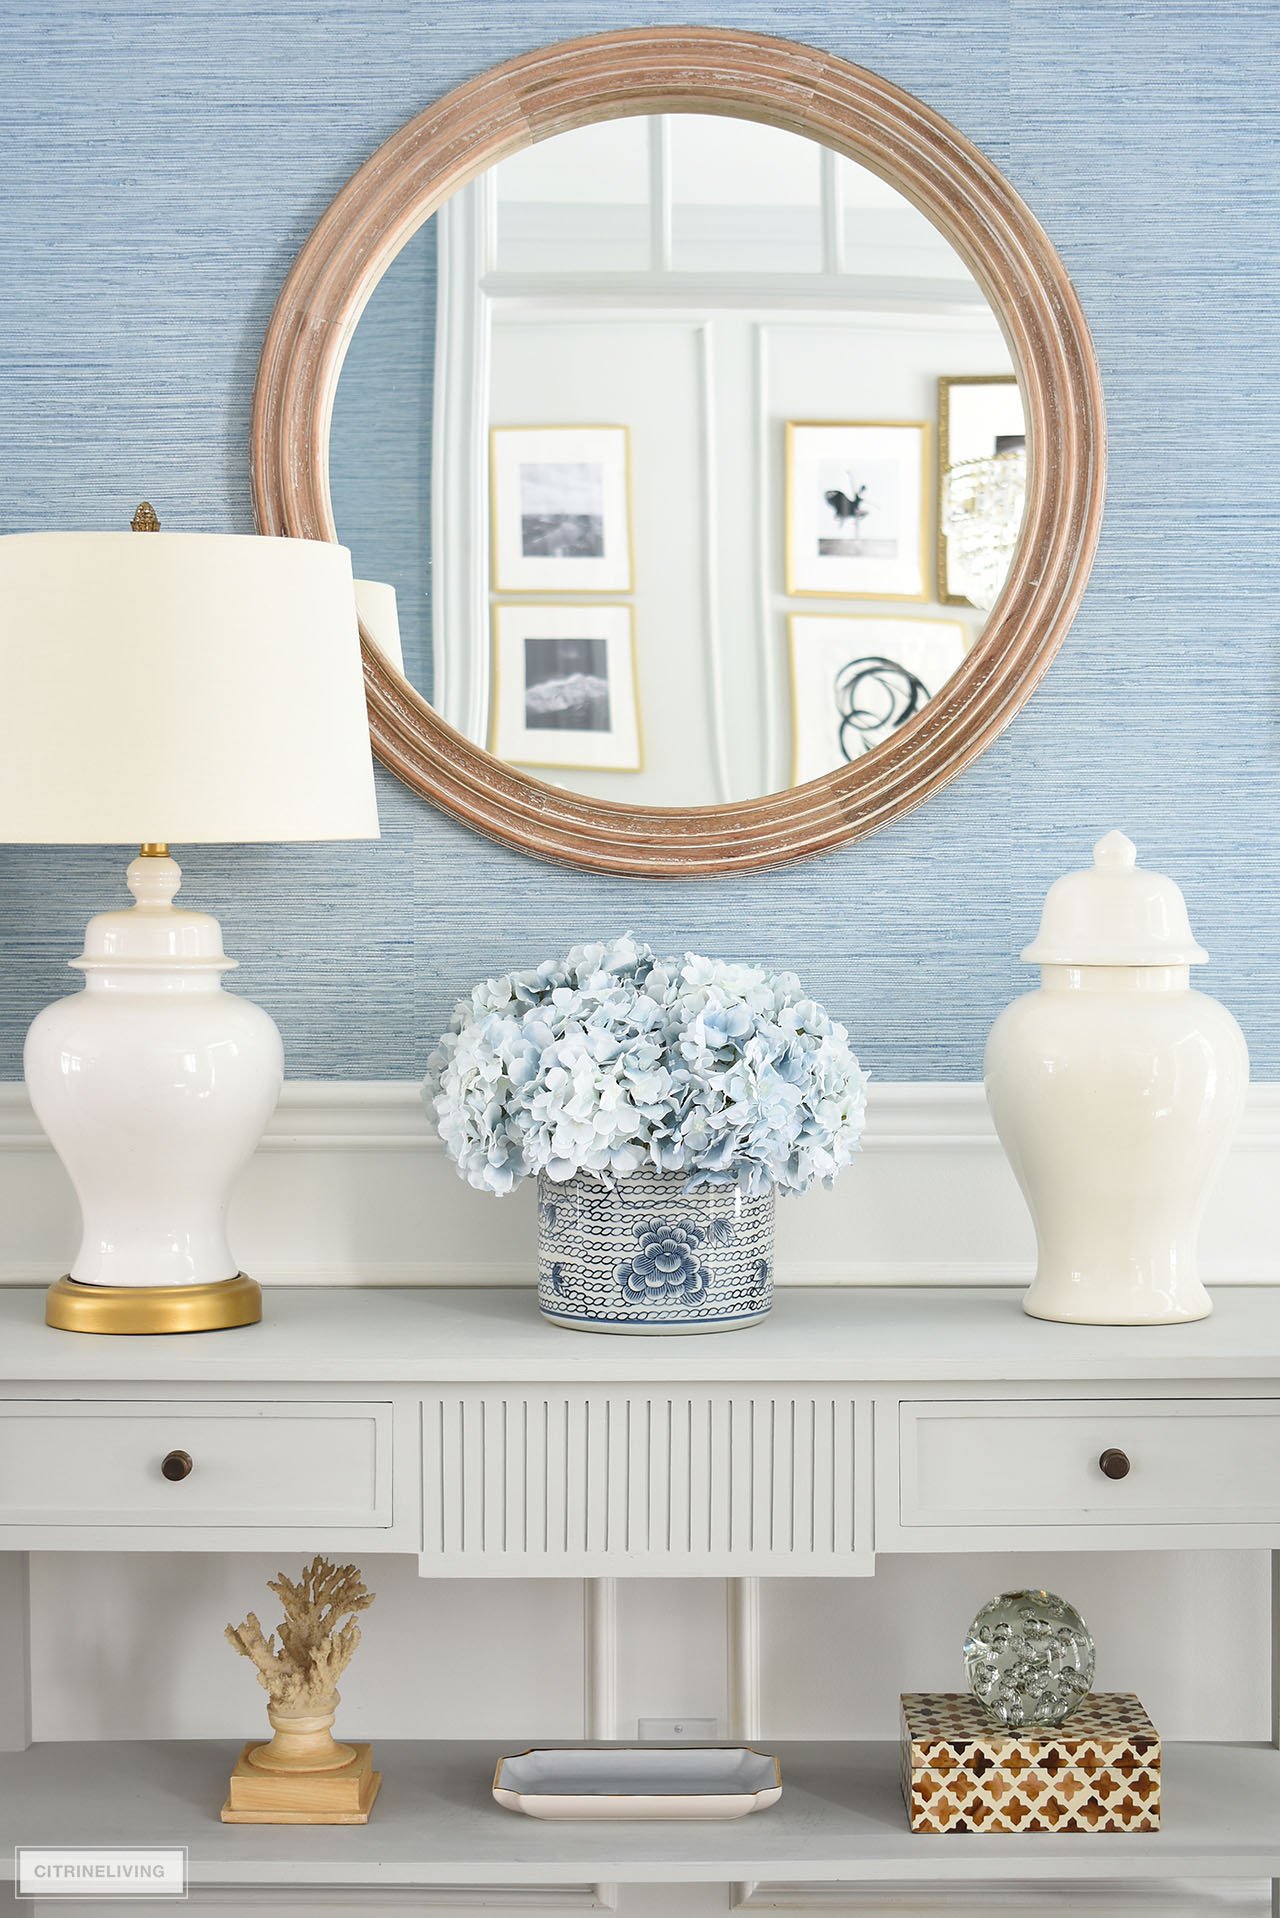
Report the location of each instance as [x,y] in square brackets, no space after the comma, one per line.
[176,1465]
[1114,1463]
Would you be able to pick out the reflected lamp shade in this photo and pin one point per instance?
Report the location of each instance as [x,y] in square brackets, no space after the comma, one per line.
[380,615]
[188,687]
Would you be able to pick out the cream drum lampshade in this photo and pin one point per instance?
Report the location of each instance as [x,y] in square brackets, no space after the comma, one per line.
[169,687]
[188,687]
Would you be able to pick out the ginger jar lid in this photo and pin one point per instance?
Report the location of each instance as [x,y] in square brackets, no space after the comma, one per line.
[1115,914]
[153,934]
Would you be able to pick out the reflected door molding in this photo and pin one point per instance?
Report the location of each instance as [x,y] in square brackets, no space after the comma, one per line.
[768,521]
[856,114]
[713,650]
[471,317]
[461,649]
[470,296]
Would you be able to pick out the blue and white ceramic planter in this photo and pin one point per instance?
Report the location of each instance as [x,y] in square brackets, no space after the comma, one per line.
[644,1255]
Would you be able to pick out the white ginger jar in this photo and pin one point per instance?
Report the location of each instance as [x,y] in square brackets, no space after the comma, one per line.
[1116,1090]
[154,1086]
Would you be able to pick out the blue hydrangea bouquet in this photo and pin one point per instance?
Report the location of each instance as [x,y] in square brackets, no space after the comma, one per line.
[660,1103]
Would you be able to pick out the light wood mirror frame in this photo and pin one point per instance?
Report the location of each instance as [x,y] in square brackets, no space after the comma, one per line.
[859,115]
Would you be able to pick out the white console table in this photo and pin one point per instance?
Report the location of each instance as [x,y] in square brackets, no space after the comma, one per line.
[456,1426]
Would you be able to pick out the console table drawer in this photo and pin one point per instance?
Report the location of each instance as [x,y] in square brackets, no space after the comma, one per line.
[273,1463]
[1012,1463]
[563,1481]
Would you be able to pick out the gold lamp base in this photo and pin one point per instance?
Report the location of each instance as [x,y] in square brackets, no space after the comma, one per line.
[73,1307]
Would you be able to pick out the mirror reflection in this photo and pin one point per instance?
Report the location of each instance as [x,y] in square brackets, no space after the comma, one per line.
[680,458]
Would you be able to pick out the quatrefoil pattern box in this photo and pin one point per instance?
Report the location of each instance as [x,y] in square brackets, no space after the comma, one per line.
[1098,1771]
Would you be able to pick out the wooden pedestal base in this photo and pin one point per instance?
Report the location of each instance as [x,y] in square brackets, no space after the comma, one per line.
[341,1797]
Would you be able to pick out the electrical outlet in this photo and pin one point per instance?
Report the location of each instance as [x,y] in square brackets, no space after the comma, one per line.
[675,1731]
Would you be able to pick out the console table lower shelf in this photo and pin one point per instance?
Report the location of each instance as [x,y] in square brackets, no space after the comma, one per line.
[841,1819]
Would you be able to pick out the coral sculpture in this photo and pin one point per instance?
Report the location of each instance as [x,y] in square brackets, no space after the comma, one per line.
[303,1776]
[300,1675]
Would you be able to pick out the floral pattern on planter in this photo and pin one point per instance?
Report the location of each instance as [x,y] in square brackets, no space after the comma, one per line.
[666,1266]
[644,1254]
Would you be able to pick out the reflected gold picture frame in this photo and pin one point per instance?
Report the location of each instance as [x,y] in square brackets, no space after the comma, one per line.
[791,510]
[630,679]
[501,580]
[945,384]
[810,614]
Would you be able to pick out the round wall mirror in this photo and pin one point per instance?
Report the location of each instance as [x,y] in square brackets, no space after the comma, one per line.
[718,442]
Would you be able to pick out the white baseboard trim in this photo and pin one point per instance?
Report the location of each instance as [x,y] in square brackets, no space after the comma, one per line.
[350,1187]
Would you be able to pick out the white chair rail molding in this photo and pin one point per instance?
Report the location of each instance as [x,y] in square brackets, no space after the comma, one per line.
[349,1186]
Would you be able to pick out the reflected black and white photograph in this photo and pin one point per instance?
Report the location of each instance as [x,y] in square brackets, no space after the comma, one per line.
[859,517]
[855,508]
[561,509]
[855,681]
[566,685]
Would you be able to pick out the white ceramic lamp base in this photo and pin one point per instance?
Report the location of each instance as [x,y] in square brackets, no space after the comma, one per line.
[154,1086]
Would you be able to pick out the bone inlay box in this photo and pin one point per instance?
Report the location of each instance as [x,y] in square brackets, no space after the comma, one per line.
[1098,1771]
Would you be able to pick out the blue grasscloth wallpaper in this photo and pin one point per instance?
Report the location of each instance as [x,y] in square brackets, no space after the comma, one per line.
[162,164]
[382,426]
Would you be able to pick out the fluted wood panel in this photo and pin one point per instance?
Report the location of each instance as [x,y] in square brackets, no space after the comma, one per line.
[589,1481]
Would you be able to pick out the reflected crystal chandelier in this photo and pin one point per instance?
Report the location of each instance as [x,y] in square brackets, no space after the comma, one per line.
[981,514]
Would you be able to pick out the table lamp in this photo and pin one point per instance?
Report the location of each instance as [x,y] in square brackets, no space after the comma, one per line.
[169,687]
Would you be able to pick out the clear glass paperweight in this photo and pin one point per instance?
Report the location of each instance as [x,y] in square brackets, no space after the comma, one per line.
[1029,1658]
